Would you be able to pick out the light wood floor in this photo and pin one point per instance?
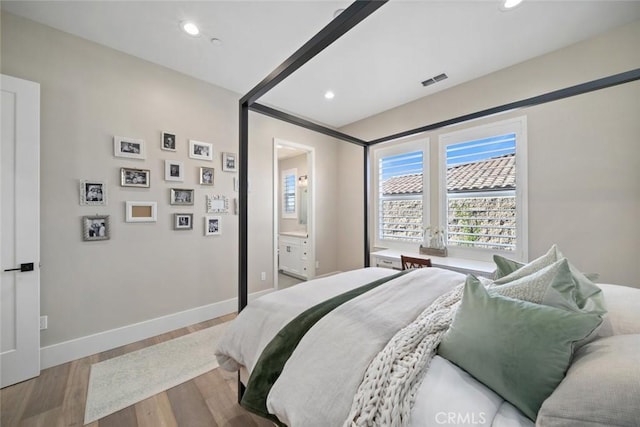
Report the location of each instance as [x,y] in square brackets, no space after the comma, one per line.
[57,397]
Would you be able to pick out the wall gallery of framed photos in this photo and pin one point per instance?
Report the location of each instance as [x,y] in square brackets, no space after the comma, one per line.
[188,184]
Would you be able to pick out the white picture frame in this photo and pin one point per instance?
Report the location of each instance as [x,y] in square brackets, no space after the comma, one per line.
[212,225]
[217,204]
[230,162]
[131,148]
[200,150]
[141,211]
[93,193]
[173,170]
[168,141]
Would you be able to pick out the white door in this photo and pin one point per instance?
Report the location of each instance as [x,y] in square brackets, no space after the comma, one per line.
[20,231]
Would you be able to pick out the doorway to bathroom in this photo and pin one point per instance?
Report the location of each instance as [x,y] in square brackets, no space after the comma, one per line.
[294,215]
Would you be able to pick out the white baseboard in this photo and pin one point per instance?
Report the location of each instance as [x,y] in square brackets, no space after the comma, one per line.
[77,348]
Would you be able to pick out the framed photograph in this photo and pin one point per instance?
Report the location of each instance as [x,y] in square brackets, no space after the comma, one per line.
[128,147]
[141,211]
[212,225]
[168,142]
[217,204]
[95,227]
[135,177]
[93,193]
[181,196]
[200,150]
[229,162]
[206,176]
[173,170]
[183,221]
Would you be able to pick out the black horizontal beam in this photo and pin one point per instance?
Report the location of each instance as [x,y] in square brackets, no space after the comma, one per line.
[272,112]
[603,83]
[342,23]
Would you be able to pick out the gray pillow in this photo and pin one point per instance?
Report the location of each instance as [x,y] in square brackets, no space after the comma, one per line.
[602,387]
[623,310]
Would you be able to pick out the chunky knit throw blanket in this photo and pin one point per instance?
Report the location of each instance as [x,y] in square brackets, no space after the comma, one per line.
[386,395]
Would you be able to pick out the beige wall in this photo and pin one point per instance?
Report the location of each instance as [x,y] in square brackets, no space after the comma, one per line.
[583,152]
[89,94]
[262,130]
[350,228]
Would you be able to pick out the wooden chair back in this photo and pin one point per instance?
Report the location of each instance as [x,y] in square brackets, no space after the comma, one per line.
[411,262]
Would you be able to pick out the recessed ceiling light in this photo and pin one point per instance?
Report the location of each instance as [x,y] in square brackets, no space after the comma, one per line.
[329,95]
[190,28]
[510,4]
[216,41]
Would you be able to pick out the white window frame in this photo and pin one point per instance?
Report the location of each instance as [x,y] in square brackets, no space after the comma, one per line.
[285,173]
[518,126]
[392,149]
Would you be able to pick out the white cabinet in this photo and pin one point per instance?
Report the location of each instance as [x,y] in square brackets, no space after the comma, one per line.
[293,256]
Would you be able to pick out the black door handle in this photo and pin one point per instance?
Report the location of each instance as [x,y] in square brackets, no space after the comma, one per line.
[28,266]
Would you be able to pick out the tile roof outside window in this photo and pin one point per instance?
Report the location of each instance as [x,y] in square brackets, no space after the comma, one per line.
[498,173]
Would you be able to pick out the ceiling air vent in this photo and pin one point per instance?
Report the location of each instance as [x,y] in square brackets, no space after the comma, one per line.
[434,79]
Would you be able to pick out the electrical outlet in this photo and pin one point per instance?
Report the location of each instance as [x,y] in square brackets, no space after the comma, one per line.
[263,276]
[44,322]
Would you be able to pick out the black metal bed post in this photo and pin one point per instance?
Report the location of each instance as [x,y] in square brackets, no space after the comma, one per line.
[243,175]
[243,246]
[365,200]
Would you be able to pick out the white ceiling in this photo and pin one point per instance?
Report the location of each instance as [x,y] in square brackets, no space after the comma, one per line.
[376,66]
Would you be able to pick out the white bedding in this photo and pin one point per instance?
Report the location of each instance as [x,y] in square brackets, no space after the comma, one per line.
[257,324]
[448,395]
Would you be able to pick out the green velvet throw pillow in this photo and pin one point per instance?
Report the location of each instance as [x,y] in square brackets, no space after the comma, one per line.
[519,349]
[505,266]
[555,285]
[586,294]
[508,270]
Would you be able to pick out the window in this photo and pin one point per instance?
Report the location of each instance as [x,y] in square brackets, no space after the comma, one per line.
[289,178]
[400,196]
[483,201]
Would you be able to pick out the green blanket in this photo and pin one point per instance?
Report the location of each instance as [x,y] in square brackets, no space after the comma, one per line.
[274,356]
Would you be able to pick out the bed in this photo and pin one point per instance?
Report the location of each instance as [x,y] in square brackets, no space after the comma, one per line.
[386,348]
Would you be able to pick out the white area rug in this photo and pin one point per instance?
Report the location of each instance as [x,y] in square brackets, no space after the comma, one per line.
[122,381]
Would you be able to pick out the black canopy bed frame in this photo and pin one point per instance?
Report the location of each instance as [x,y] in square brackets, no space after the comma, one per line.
[349,18]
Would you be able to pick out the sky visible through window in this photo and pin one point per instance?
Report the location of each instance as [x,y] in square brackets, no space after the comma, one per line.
[460,153]
[401,164]
[480,149]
